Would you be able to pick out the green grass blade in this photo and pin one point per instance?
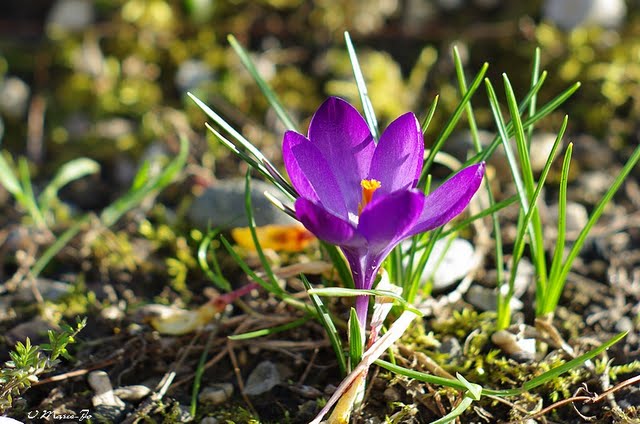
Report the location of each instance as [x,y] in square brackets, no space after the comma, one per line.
[197,379]
[558,253]
[267,92]
[277,180]
[240,139]
[452,122]
[216,277]
[367,107]
[325,319]
[8,179]
[464,404]
[132,198]
[268,331]
[59,244]
[595,215]
[70,171]
[252,229]
[555,372]
[339,263]
[432,110]
[504,314]
[356,339]
[344,292]
[535,76]
[29,200]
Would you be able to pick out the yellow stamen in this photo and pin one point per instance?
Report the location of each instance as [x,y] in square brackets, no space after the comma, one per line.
[368,188]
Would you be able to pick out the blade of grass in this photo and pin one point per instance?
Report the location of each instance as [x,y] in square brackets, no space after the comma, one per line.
[356,339]
[268,331]
[432,110]
[325,319]
[535,75]
[267,92]
[29,198]
[111,214]
[367,107]
[344,292]
[252,229]
[504,313]
[595,215]
[217,278]
[70,171]
[451,123]
[339,263]
[558,252]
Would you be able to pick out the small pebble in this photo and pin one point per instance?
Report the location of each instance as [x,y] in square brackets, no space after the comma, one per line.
[104,395]
[624,324]
[570,14]
[71,15]
[209,420]
[216,394]
[132,393]
[391,394]
[262,379]
[484,299]
[14,96]
[223,206]
[576,216]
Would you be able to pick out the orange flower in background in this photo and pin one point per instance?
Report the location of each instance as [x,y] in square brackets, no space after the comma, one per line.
[290,238]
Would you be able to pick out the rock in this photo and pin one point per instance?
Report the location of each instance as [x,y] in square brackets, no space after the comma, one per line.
[592,154]
[35,330]
[216,394]
[593,185]
[624,324]
[445,270]
[14,97]
[133,393]
[112,313]
[71,15]
[209,420]
[262,379]
[192,73]
[540,149]
[185,414]
[222,206]
[485,299]
[49,289]
[576,216]
[451,346]
[515,345]
[114,128]
[107,406]
[570,14]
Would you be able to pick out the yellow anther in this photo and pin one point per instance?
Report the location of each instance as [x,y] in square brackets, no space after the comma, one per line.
[368,188]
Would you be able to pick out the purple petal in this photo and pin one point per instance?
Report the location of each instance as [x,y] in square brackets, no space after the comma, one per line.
[387,219]
[310,174]
[339,131]
[397,161]
[449,199]
[326,226]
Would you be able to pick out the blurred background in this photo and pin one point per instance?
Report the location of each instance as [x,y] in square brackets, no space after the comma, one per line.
[108,78]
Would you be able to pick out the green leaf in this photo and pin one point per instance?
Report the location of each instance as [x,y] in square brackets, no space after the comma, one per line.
[325,319]
[271,330]
[367,107]
[69,172]
[267,92]
[356,340]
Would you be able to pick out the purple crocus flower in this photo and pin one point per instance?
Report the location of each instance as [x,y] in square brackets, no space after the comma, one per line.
[362,196]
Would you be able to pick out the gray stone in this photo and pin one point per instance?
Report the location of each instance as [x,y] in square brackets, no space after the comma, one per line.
[14,96]
[216,394]
[570,14]
[262,379]
[540,149]
[485,299]
[576,216]
[35,330]
[624,324]
[49,289]
[222,206]
[71,15]
[209,420]
[591,153]
[445,270]
[592,186]
[104,395]
[132,393]
[192,73]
